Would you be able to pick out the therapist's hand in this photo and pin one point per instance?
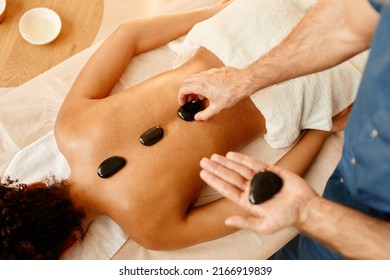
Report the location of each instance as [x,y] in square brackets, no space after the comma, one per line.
[223,87]
[231,176]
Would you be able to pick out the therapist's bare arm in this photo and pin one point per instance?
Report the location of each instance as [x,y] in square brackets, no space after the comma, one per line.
[351,233]
[330,33]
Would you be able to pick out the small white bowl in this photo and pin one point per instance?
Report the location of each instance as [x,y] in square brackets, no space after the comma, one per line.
[3,9]
[40,26]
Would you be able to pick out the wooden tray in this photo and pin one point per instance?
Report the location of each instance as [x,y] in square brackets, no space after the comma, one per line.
[21,61]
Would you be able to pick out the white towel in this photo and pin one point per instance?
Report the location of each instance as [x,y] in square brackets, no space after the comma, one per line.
[248,29]
[28,167]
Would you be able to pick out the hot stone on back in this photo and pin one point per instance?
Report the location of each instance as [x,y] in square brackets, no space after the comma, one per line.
[189,110]
[110,166]
[152,136]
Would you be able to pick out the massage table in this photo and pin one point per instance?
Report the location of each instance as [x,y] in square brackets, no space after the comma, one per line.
[28,152]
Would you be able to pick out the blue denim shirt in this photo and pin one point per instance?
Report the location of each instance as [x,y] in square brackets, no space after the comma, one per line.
[365,163]
[362,177]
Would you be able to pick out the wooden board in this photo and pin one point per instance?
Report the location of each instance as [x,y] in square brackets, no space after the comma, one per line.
[20,61]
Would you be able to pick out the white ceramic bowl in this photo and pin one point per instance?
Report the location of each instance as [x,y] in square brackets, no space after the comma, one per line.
[40,26]
[3,9]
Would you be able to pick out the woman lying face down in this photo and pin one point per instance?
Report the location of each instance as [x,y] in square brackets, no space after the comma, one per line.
[151,196]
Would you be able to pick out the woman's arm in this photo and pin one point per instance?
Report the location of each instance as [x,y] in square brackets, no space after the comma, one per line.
[302,155]
[108,63]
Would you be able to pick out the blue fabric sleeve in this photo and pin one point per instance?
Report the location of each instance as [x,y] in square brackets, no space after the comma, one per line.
[365,163]
[375,5]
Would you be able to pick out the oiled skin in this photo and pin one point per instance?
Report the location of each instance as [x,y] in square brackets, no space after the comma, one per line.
[151,197]
[159,183]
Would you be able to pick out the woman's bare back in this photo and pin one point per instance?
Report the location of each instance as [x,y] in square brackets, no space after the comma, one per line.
[159,182]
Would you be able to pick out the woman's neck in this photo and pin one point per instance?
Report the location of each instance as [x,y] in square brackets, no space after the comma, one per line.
[80,202]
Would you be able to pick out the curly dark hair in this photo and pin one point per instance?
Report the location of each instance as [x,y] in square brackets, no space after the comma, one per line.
[37,222]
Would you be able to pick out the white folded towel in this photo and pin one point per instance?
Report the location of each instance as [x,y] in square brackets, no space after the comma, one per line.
[248,29]
[39,160]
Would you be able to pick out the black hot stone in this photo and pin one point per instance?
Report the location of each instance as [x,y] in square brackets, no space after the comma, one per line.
[152,136]
[264,185]
[110,166]
[189,110]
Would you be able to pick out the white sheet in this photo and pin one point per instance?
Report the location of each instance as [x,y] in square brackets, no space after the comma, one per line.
[28,113]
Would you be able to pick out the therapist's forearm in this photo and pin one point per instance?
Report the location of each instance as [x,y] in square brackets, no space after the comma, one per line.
[349,232]
[329,34]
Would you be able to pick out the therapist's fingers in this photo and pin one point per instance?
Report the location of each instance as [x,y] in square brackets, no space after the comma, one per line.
[207,113]
[193,87]
[224,188]
[242,170]
[221,172]
[189,92]
[247,161]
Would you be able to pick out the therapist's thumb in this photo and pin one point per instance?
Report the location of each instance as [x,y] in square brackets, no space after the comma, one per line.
[206,113]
